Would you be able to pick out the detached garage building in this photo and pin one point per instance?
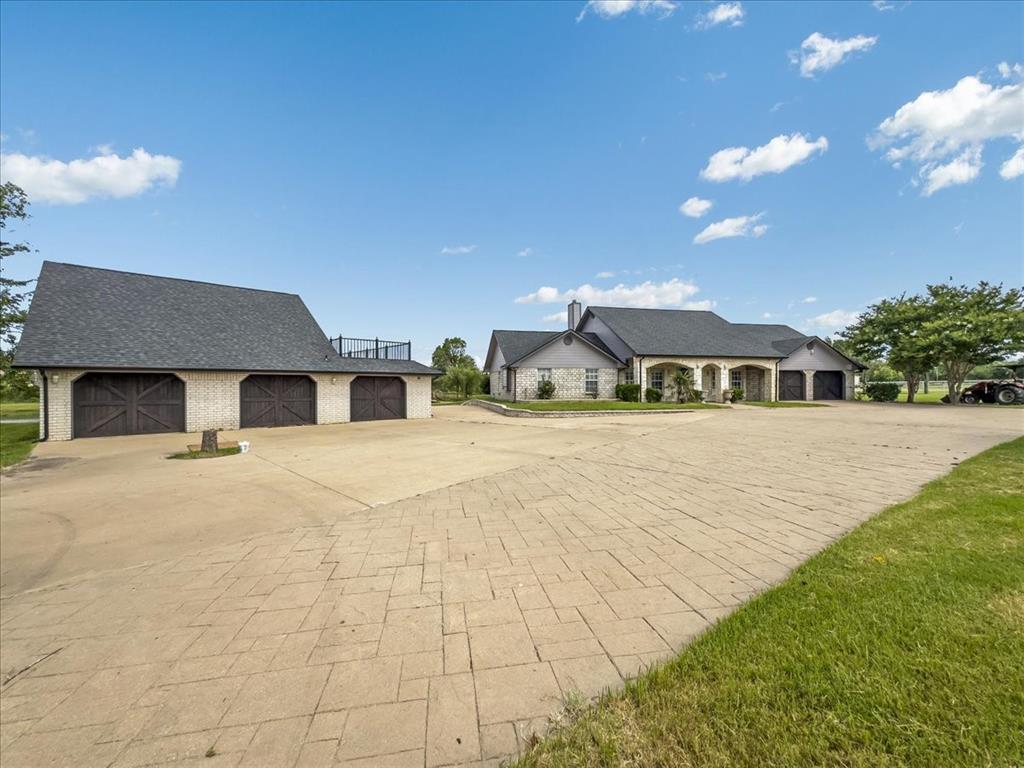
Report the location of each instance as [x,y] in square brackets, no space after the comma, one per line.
[119,353]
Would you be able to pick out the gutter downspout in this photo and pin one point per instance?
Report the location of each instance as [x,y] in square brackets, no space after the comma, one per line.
[640,381]
[45,415]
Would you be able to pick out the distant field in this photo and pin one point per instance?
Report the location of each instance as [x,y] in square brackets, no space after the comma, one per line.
[15,410]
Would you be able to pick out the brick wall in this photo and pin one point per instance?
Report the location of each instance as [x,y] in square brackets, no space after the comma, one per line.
[212,399]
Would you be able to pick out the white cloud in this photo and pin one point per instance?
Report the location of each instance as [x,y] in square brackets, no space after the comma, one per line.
[525,252]
[695,207]
[778,155]
[557,317]
[739,226]
[1007,71]
[457,250]
[883,5]
[671,293]
[74,182]
[705,305]
[944,132]
[1013,167]
[767,316]
[723,13]
[960,170]
[612,9]
[819,53]
[809,300]
[714,77]
[834,320]
[604,275]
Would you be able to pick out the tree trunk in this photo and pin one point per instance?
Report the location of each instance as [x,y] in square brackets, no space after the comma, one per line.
[209,441]
[912,382]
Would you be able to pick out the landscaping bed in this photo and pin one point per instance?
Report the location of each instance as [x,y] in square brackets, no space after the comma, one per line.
[898,645]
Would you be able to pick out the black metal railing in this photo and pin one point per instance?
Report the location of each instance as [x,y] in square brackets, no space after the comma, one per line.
[374,349]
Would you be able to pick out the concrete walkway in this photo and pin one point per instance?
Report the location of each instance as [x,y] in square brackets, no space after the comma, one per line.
[445,628]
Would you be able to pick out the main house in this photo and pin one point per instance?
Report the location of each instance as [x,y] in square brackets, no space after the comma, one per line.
[605,346]
[119,353]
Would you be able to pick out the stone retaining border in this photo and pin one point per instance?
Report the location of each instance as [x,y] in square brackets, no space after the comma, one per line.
[506,411]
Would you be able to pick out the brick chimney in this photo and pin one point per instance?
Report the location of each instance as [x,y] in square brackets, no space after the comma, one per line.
[575,314]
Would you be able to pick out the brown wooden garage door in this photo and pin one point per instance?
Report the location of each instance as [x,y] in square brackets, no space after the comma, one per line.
[128,404]
[828,385]
[377,397]
[791,385]
[278,401]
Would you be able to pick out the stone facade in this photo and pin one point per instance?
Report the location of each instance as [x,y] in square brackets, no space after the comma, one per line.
[570,384]
[212,399]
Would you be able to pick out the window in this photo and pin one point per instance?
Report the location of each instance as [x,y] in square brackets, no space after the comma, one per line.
[736,378]
[658,380]
[543,374]
[508,379]
[590,381]
[630,378]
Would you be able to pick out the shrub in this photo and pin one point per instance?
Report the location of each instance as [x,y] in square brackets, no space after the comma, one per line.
[628,392]
[882,391]
[652,395]
[545,389]
[737,394]
[485,385]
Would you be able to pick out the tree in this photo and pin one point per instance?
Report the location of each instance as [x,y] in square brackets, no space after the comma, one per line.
[893,329]
[463,380]
[13,310]
[451,353]
[967,327]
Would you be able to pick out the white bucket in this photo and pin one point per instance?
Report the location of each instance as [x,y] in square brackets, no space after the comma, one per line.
[243,446]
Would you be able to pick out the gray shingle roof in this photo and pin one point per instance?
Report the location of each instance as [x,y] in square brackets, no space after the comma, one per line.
[515,344]
[85,317]
[693,333]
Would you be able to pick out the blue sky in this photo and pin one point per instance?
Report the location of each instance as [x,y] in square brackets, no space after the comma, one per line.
[414,169]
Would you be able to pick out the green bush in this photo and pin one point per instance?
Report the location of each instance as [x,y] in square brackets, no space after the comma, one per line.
[628,392]
[882,391]
[545,389]
[737,394]
[652,395]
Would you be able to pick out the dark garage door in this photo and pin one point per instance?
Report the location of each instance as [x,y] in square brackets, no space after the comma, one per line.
[828,385]
[791,385]
[128,404]
[377,397]
[278,401]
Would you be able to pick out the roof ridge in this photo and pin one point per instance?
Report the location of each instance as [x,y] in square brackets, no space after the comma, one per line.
[165,277]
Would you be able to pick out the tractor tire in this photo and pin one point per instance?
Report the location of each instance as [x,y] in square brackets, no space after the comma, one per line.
[1006,396]
[968,399]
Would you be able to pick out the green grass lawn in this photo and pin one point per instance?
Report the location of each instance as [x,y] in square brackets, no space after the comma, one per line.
[934,395]
[16,442]
[26,410]
[901,644]
[782,404]
[189,455]
[596,405]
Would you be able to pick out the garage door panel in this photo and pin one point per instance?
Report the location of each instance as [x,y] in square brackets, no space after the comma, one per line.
[828,385]
[107,404]
[791,385]
[277,401]
[377,397]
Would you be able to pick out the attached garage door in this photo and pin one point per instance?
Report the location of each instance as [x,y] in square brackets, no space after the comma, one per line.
[278,401]
[377,397]
[828,385]
[791,385]
[128,404]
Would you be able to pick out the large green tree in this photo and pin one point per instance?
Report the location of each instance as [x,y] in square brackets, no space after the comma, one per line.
[451,353]
[971,326]
[13,298]
[892,330]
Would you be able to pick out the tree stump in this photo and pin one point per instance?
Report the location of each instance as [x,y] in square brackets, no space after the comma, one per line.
[209,441]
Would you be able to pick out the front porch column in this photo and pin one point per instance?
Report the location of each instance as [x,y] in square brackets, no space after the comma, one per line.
[640,376]
[849,384]
[808,385]
[769,385]
[698,376]
[724,384]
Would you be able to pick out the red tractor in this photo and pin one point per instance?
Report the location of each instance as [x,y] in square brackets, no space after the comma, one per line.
[1006,392]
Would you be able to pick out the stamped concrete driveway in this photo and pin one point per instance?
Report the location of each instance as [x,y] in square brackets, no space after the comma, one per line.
[444,628]
[88,506]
